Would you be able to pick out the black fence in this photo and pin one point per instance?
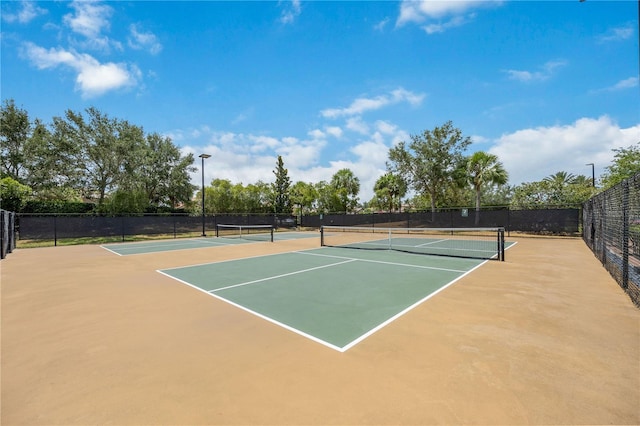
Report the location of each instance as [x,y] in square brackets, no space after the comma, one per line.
[7,233]
[57,226]
[611,229]
[542,221]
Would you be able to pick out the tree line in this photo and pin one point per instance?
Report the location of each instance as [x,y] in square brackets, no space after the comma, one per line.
[90,157]
[117,167]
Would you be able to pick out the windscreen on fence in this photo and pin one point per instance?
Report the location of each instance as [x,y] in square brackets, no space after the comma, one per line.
[7,233]
[611,229]
[60,226]
[543,221]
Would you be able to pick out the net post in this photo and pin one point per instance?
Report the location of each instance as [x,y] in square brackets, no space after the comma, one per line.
[217,231]
[321,235]
[501,249]
[271,229]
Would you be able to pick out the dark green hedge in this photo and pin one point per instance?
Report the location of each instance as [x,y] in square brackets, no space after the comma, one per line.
[57,207]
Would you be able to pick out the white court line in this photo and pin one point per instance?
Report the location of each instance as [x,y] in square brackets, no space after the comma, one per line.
[401,313]
[170,244]
[384,263]
[431,242]
[225,261]
[141,245]
[258,314]
[282,275]
[114,252]
[347,260]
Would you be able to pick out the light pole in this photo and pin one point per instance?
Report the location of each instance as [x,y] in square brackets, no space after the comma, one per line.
[593,174]
[203,156]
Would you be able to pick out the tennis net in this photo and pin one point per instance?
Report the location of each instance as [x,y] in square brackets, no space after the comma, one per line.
[480,243]
[248,232]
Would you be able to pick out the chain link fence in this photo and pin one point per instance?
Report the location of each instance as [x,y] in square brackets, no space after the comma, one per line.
[611,229]
[535,221]
[55,227]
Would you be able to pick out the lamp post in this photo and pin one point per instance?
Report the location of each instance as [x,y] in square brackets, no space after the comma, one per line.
[593,174]
[203,156]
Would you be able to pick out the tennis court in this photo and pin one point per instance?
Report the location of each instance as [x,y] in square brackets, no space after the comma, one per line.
[146,247]
[292,333]
[334,296]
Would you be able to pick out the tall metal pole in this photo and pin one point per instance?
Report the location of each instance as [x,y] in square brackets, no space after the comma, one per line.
[593,174]
[203,156]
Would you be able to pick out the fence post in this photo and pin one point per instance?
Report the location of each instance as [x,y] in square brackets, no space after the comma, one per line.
[175,235]
[625,234]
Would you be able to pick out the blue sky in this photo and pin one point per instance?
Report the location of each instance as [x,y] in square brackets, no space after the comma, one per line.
[547,86]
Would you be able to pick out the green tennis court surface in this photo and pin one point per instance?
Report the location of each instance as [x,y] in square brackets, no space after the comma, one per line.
[125,249]
[334,296]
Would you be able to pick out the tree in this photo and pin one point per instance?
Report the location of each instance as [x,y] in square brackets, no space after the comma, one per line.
[431,160]
[160,172]
[15,129]
[282,202]
[13,194]
[499,195]
[561,190]
[626,163]
[219,197]
[346,187]
[327,199]
[107,147]
[560,179]
[257,198]
[125,202]
[484,170]
[389,190]
[304,195]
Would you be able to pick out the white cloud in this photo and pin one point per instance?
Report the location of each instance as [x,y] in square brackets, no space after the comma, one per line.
[263,143]
[532,154]
[362,105]
[355,124]
[291,10]
[617,34]
[439,15]
[373,152]
[92,77]
[627,83]
[386,127]
[440,27]
[545,72]
[249,158]
[90,18]
[28,12]
[316,134]
[418,11]
[381,25]
[334,131]
[143,40]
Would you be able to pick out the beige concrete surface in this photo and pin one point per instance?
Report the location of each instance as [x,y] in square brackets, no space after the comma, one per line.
[88,337]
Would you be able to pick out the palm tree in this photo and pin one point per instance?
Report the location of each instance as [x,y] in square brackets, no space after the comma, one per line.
[346,186]
[560,179]
[484,169]
[558,184]
[390,188]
